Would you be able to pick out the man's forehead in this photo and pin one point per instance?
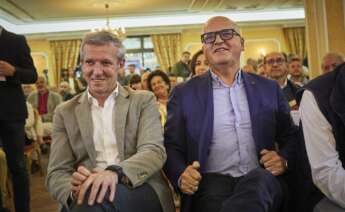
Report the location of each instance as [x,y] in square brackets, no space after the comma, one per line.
[218,23]
[275,55]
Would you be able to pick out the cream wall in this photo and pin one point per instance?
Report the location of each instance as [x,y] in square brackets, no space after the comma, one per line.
[42,56]
[257,40]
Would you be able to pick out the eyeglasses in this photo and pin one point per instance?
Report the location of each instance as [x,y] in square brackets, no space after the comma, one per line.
[279,61]
[225,34]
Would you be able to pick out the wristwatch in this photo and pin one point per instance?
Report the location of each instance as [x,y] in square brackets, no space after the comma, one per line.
[122,178]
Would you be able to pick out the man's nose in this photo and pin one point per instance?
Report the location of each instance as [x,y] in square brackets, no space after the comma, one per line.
[218,39]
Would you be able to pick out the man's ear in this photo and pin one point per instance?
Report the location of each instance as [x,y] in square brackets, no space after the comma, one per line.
[122,63]
[242,44]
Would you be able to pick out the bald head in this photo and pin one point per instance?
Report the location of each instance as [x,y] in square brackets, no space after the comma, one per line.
[217,21]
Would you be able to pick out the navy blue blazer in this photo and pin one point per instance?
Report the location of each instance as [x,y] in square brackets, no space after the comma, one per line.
[189,127]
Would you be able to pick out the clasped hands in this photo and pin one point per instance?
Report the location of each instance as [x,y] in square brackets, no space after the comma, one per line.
[6,69]
[190,179]
[98,180]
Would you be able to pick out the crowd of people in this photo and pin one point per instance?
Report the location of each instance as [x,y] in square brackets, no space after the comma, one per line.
[205,135]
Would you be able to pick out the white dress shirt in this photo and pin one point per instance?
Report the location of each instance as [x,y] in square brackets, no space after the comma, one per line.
[104,130]
[327,170]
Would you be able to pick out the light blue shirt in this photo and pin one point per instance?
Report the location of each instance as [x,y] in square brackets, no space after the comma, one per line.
[232,150]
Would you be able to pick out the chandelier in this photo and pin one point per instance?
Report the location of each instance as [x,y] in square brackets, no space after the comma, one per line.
[120,32]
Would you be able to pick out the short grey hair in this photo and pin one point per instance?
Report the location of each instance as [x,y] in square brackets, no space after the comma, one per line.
[102,38]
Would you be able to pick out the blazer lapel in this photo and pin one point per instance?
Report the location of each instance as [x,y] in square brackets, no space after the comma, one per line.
[337,99]
[254,102]
[84,119]
[120,119]
[205,95]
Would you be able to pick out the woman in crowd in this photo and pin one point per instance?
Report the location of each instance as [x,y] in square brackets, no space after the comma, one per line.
[158,82]
[198,64]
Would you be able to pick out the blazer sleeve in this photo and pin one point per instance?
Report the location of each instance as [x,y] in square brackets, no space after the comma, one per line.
[61,161]
[175,139]
[150,156]
[287,132]
[24,66]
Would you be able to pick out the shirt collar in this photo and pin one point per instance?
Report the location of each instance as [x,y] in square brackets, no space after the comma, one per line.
[284,85]
[93,100]
[217,80]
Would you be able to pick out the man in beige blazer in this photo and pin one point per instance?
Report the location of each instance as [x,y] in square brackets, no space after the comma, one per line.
[107,149]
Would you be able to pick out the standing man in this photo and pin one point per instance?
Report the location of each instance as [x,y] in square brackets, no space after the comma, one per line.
[296,72]
[107,149]
[181,68]
[222,130]
[16,67]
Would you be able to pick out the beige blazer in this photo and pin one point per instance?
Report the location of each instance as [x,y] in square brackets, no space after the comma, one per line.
[139,138]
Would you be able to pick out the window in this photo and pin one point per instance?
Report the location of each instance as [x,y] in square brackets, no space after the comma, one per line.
[139,51]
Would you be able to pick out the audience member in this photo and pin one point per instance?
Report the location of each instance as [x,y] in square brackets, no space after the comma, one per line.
[107,149]
[27,90]
[45,102]
[135,82]
[121,76]
[16,68]
[330,61]
[65,91]
[181,68]
[131,72]
[144,80]
[173,80]
[198,64]
[322,114]
[220,154]
[261,70]
[158,82]
[277,69]
[296,72]
[248,68]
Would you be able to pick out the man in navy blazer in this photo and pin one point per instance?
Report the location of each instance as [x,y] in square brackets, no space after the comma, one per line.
[229,135]
[16,67]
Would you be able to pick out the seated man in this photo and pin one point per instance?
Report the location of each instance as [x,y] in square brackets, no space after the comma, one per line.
[107,149]
[45,102]
[322,114]
[277,69]
[222,131]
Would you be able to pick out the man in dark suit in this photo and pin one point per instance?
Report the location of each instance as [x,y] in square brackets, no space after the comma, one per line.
[16,67]
[223,130]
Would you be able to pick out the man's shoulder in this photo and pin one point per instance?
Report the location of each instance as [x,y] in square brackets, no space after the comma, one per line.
[138,95]
[70,105]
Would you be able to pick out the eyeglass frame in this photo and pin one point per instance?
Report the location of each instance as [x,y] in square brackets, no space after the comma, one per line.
[234,33]
[279,61]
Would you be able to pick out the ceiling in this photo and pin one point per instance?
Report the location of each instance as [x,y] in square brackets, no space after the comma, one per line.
[17,13]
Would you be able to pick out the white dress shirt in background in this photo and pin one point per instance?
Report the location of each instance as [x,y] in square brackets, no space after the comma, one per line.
[327,170]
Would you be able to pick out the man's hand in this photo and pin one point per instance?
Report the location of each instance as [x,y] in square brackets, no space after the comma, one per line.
[99,181]
[190,179]
[273,162]
[78,178]
[6,69]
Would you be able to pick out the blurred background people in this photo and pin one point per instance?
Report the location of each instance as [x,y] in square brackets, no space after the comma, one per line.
[158,82]
[330,61]
[181,68]
[198,64]
[65,91]
[135,82]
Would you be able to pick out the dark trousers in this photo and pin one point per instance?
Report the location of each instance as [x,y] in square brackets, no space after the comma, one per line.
[140,199]
[257,191]
[12,136]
